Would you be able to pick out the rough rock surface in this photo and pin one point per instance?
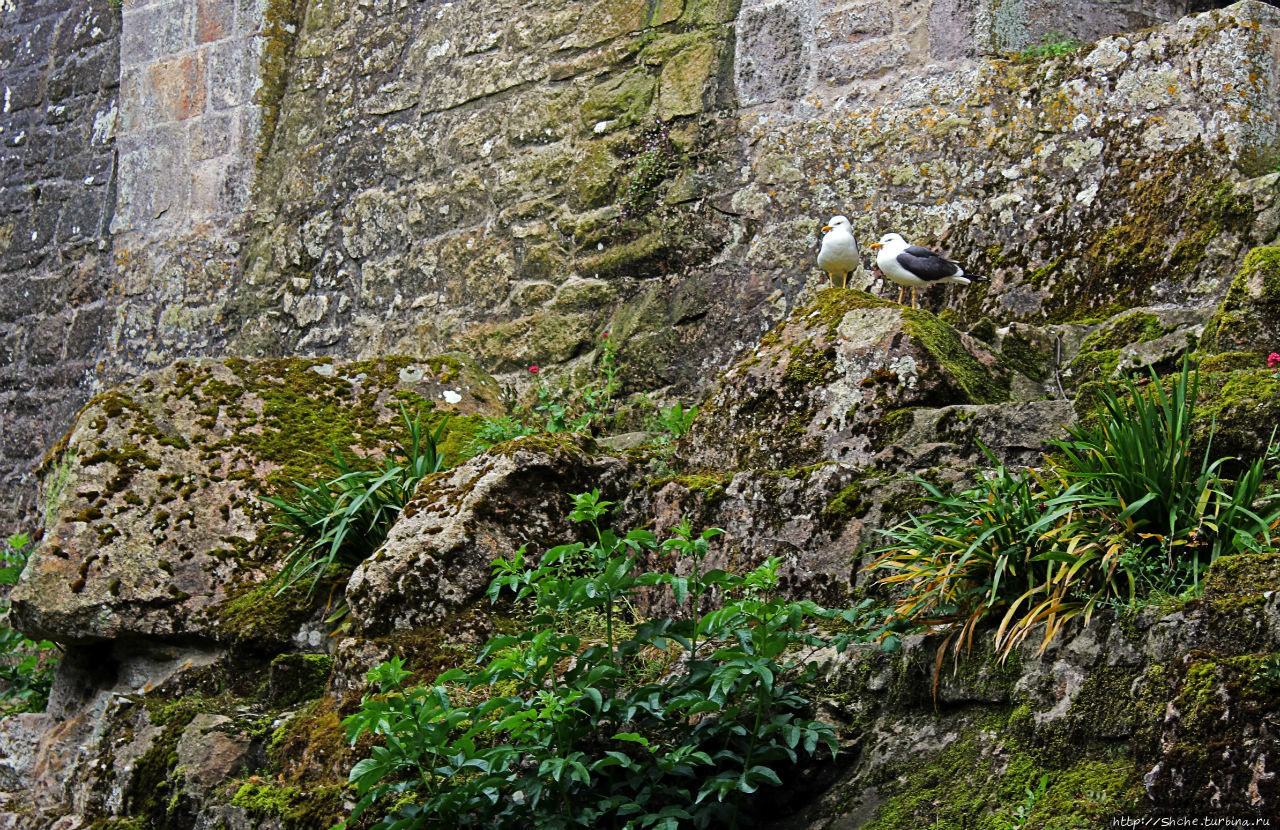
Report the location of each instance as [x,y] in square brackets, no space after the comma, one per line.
[1248,319]
[154,500]
[500,142]
[60,71]
[836,381]
[481,207]
[1166,712]
[438,557]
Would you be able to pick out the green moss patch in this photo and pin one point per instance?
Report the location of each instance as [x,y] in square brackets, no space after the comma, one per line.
[1022,352]
[1249,315]
[853,500]
[943,344]
[294,678]
[1241,409]
[1126,330]
[1101,352]
[259,618]
[708,485]
[154,792]
[312,808]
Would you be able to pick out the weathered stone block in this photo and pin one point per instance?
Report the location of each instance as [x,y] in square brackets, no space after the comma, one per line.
[212,135]
[539,339]
[827,383]
[851,23]
[862,61]
[210,751]
[154,498]
[231,69]
[439,556]
[1248,319]
[155,31]
[685,77]
[625,99]
[772,54]
[143,199]
[175,88]
[214,20]
[608,19]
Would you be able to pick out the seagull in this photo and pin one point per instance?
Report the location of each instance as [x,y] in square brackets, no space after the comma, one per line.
[912,266]
[839,251]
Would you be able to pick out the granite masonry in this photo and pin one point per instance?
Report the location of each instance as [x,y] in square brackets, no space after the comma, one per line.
[59,71]
[374,177]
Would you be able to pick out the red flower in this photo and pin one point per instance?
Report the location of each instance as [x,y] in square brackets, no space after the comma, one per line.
[534,369]
[606,335]
[1273,360]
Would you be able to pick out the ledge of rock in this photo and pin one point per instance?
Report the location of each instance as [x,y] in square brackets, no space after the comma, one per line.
[438,556]
[832,383]
[156,524]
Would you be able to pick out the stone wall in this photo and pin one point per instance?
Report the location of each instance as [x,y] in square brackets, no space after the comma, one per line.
[58,69]
[791,51]
[173,87]
[366,178]
[486,208]
[189,125]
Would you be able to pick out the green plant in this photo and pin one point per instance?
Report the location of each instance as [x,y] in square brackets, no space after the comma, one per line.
[1052,44]
[564,408]
[662,723]
[1268,671]
[1125,511]
[341,521]
[650,161]
[673,421]
[1016,819]
[1147,485]
[26,666]
[973,552]
[495,430]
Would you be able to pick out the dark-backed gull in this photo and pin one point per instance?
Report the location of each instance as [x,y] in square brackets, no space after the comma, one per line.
[912,266]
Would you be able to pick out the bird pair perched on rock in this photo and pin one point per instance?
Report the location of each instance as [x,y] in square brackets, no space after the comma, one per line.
[910,266]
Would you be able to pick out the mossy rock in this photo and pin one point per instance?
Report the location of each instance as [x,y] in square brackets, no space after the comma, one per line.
[295,807]
[1237,411]
[294,678]
[624,100]
[645,256]
[1023,349]
[159,525]
[823,384]
[438,557]
[1248,318]
[1102,353]
[1210,751]
[1242,578]
[539,339]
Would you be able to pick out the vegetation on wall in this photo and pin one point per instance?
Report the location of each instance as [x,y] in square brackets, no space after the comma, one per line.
[1126,511]
[592,717]
[589,407]
[1052,45]
[26,666]
[650,161]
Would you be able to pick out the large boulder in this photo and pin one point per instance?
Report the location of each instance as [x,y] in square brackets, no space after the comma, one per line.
[1248,319]
[438,557]
[1165,711]
[833,382]
[156,524]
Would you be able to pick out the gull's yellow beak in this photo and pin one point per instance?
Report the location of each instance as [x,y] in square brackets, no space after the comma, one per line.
[826,228]
[875,245]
